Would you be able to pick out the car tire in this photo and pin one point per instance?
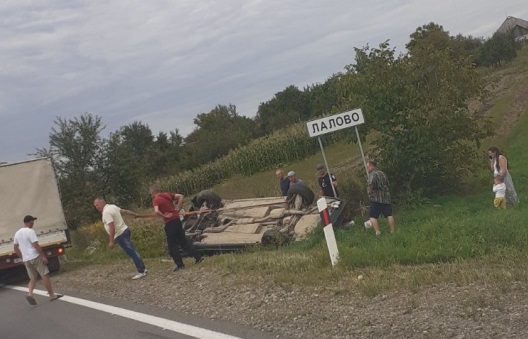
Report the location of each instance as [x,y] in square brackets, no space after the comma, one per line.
[306,193]
[53,264]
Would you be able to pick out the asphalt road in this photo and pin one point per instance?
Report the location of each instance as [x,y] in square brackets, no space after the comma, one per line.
[76,317]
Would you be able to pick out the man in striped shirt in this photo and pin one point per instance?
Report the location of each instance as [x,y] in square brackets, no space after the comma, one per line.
[379,195]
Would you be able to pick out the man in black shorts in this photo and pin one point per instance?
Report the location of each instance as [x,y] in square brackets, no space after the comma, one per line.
[380,202]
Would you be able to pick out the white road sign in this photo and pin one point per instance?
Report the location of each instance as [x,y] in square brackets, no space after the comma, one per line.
[335,122]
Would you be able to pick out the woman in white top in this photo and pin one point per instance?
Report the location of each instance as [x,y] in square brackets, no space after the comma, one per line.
[499,168]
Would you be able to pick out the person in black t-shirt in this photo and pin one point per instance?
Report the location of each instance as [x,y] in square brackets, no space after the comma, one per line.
[325,182]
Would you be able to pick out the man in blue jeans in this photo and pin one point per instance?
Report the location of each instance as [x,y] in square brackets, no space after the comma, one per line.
[118,232]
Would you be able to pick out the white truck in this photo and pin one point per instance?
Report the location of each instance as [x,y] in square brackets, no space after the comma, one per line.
[30,187]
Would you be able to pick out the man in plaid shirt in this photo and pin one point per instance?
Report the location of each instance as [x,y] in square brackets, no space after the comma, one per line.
[379,195]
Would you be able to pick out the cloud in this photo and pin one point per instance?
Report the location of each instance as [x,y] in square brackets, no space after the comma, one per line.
[163,62]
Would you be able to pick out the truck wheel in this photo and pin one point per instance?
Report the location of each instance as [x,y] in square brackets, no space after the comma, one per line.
[211,199]
[53,264]
[306,193]
[274,238]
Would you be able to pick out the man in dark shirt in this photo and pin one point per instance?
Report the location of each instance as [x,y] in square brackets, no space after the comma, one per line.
[284,182]
[326,181]
[379,195]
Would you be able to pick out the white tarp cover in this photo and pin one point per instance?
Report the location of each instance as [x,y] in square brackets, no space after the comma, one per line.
[29,188]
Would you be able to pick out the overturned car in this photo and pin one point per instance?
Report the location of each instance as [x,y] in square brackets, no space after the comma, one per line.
[216,225]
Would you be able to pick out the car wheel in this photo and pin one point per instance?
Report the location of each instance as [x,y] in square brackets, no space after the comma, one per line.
[53,264]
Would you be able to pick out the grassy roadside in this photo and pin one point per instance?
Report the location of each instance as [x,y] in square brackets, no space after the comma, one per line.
[452,240]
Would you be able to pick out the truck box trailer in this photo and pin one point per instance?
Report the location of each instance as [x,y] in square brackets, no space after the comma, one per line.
[30,187]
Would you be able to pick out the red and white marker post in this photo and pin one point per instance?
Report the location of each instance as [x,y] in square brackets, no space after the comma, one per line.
[328,230]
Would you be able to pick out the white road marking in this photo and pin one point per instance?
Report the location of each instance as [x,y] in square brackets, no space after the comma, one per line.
[165,324]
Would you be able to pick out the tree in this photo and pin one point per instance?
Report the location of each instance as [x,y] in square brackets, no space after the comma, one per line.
[286,107]
[430,36]
[217,132]
[418,105]
[501,47]
[76,148]
[467,46]
[321,99]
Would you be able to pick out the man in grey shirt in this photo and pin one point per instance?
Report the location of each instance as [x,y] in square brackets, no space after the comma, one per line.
[379,196]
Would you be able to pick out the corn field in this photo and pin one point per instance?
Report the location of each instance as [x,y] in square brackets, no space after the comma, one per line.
[283,146]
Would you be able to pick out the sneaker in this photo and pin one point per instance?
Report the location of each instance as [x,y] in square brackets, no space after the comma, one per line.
[199,260]
[177,268]
[140,275]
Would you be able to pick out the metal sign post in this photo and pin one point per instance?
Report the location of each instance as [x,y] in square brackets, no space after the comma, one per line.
[361,149]
[326,166]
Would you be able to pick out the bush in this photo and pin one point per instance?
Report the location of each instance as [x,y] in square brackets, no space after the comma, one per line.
[91,241]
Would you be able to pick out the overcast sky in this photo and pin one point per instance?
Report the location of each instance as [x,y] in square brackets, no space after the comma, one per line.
[162,62]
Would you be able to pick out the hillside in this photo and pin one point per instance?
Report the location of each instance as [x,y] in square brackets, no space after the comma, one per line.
[455,267]
[506,104]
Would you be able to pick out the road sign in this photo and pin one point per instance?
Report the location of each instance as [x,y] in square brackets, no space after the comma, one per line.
[335,122]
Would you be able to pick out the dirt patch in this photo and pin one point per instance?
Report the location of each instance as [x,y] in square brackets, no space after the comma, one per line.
[511,87]
[326,311]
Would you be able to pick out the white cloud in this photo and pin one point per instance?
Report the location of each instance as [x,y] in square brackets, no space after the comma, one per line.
[163,62]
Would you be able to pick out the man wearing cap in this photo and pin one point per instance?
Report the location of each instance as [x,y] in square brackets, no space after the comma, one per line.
[119,232]
[284,182]
[326,181]
[294,180]
[28,249]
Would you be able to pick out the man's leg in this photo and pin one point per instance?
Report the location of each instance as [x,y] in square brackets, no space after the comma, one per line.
[184,243]
[374,213]
[31,286]
[387,211]
[47,284]
[172,243]
[375,225]
[33,275]
[392,224]
[126,244]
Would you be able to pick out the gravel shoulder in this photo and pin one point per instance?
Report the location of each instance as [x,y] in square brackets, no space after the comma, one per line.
[330,310]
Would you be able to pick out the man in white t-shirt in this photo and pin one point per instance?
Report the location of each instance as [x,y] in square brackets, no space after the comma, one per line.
[28,249]
[118,232]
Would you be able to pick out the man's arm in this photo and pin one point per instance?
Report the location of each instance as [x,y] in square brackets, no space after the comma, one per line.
[179,204]
[163,215]
[41,252]
[370,187]
[17,250]
[128,212]
[334,180]
[111,234]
